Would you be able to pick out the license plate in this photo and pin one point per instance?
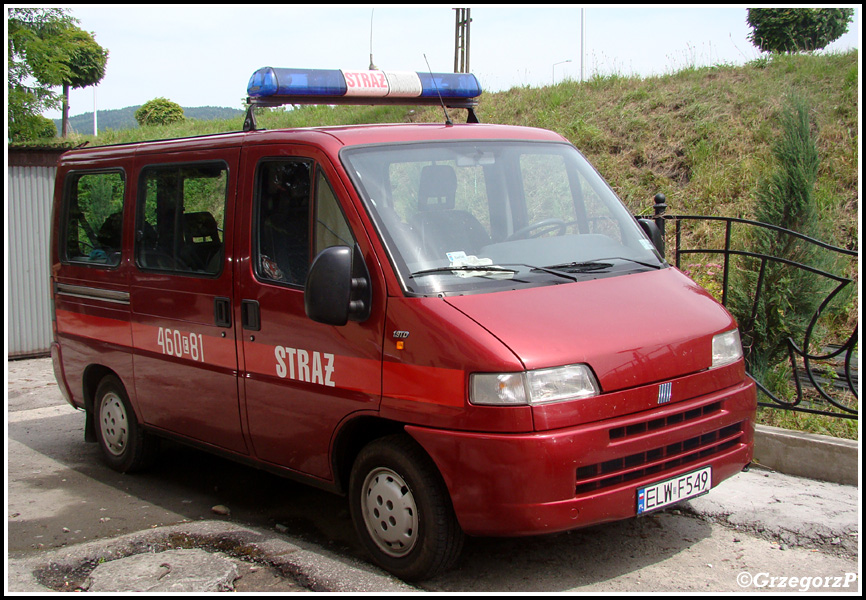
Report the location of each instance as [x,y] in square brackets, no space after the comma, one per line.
[671,491]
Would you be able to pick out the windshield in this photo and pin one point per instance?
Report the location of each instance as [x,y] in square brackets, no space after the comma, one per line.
[475,216]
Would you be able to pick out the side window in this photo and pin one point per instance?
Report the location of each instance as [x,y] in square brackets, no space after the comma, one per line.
[181,218]
[598,214]
[332,229]
[282,225]
[94,218]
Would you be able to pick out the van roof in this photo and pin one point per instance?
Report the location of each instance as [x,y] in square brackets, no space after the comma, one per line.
[396,133]
[333,137]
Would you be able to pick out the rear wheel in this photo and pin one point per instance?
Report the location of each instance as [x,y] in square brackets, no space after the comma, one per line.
[124,445]
[402,511]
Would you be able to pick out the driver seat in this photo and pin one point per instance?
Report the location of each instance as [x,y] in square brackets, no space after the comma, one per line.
[443,228]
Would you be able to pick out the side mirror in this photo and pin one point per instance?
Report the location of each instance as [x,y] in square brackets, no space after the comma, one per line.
[654,233]
[338,287]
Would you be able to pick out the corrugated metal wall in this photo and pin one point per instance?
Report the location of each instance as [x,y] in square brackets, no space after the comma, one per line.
[29,190]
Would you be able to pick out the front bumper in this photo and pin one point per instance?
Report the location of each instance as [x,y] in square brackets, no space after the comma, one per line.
[545,482]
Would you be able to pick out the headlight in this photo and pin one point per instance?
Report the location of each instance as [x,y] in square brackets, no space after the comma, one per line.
[533,387]
[726,348]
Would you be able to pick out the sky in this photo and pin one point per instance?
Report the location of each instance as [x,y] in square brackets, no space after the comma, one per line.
[204,56]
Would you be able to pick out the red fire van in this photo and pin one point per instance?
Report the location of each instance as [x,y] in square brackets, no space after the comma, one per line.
[458,326]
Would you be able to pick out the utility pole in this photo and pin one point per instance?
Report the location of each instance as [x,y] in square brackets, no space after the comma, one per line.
[582,39]
[461,41]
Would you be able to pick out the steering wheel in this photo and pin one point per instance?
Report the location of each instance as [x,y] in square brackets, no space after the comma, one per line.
[540,228]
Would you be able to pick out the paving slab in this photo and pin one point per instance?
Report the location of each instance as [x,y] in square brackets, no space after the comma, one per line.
[171,571]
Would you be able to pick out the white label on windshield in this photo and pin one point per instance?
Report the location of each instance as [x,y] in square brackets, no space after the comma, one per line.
[460,259]
[647,244]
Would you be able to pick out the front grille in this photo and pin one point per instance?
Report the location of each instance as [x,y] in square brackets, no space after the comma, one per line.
[613,472]
[674,419]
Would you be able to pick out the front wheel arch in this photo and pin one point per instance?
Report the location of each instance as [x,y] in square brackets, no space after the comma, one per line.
[352,436]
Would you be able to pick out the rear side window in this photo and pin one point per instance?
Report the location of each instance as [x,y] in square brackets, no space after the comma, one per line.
[93,218]
[181,218]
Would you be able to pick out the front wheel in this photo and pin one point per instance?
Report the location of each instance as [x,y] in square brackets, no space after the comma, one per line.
[402,511]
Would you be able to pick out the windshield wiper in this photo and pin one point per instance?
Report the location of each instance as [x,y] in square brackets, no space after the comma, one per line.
[552,270]
[495,268]
[582,267]
[600,265]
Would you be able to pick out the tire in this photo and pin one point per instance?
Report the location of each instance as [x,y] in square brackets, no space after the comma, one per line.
[125,446]
[402,510]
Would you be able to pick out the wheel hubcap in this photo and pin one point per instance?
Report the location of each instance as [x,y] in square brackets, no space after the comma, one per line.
[390,512]
[113,423]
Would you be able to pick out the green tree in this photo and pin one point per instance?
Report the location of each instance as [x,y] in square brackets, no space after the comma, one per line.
[45,46]
[159,111]
[43,127]
[84,60]
[32,40]
[789,295]
[796,29]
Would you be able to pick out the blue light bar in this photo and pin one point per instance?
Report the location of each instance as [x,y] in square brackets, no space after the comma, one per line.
[449,85]
[268,84]
[296,82]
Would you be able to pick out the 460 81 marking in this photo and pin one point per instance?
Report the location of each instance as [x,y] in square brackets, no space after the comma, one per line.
[178,343]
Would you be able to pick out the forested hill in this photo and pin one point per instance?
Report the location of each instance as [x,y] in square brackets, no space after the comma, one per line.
[124,118]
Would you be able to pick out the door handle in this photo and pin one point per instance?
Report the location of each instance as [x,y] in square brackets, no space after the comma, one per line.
[222,312]
[250,315]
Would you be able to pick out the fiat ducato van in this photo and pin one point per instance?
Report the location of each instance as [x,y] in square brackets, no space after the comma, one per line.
[460,327]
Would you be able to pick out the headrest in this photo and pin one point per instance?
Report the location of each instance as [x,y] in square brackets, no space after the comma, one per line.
[437,188]
[200,225]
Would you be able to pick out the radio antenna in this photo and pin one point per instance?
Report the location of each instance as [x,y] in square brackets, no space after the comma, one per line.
[372,66]
[447,118]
